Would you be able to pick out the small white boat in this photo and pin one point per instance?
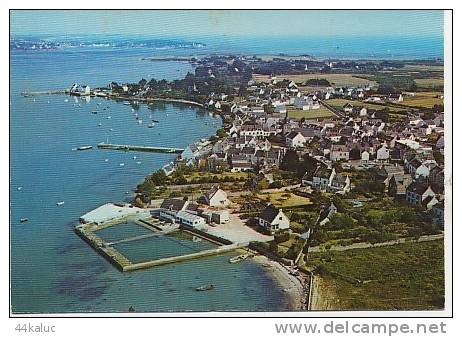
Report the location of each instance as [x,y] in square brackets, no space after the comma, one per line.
[121,164]
[134,157]
[205,287]
[66,100]
[140,121]
[86,147]
[24,219]
[99,124]
[126,103]
[108,117]
[151,125]
[60,203]
[138,162]
[106,160]
[19,188]
[111,129]
[238,258]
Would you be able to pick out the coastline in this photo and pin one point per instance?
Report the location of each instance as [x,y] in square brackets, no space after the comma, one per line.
[292,286]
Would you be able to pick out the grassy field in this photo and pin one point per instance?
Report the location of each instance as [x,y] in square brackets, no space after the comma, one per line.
[284,199]
[322,112]
[334,79]
[429,83]
[423,99]
[407,276]
[340,102]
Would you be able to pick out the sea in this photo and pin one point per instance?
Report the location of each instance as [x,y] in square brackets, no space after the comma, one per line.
[51,269]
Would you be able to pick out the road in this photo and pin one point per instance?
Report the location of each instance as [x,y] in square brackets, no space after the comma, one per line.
[360,245]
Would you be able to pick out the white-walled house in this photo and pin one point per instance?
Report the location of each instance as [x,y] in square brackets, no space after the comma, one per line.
[273,219]
[216,197]
[383,153]
[295,139]
[365,156]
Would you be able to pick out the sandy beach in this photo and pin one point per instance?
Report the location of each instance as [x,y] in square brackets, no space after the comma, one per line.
[292,286]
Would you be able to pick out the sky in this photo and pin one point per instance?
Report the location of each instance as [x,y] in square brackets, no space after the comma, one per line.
[190,23]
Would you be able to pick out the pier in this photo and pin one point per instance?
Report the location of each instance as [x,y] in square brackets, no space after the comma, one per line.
[139,148]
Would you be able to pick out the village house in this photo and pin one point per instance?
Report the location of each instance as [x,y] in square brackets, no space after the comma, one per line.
[417,191]
[398,184]
[322,178]
[339,152]
[216,197]
[340,184]
[273,220]
[437,213]
[295,139]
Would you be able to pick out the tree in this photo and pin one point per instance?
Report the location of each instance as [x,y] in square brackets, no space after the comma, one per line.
[290,161]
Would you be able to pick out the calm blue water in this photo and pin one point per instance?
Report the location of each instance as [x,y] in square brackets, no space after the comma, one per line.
[53,270]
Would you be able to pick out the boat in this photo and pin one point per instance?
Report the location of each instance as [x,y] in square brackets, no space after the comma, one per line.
[106,160]
[66,100]
[126,103]
[86,147]
[121,164]
[196,239]
[108,117]
[99,124]
[205,287]
[238,258]
[111,129]
[19,188]
[94,112]
[140,121]
[151,125]
[60,203]
[138,162]
[155,121]
[24,219]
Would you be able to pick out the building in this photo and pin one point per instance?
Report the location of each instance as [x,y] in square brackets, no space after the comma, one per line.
[322,178]
[295,139]
[189,219]
[273,220]
[216,197]
[398,184]
[417,191]
[437,213]
[170,208]
[340,184]
[339,152]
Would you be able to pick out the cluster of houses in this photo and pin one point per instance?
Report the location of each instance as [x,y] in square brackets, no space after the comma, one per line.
[210,208]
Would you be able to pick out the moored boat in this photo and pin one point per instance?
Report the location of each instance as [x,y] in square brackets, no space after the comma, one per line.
[24,219]
[86,147]
[238,258]
[60,203]
[205,287]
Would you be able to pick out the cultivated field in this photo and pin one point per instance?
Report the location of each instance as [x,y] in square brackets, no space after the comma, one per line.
[340,102]
[430,83]
[423,99]
[322,112]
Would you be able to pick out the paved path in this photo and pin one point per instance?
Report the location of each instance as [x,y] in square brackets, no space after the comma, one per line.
[360,245]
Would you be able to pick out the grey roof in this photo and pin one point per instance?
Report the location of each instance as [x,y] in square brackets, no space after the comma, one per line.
[269,213]
[173,204]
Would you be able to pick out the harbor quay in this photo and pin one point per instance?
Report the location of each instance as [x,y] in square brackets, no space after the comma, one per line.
[112,215]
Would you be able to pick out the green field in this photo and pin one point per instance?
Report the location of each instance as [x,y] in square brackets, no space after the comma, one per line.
[322,112]
[429,83]
[340,102]
[334,79]
[408,276]
[284,199]
[423,99]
